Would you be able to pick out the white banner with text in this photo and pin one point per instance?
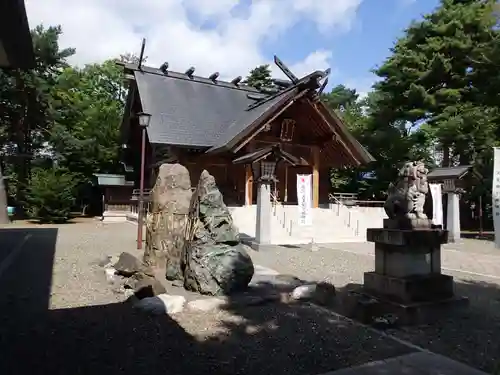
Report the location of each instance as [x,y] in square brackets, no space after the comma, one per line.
[304,197]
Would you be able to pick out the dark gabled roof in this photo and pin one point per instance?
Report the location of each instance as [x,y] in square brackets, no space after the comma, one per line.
[196,111]
[200,112]
[16,45]
[217,116]
[451,173]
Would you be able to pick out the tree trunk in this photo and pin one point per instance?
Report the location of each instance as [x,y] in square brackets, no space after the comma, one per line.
[4,217]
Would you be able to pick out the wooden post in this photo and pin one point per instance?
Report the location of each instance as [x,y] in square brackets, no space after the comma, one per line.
[315,177]
[285,198]
[248,185]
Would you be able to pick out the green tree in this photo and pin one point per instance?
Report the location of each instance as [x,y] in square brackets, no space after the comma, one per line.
[259,77]
[25,98]
[51,195]
[88,107]
[340,97]
[438,75]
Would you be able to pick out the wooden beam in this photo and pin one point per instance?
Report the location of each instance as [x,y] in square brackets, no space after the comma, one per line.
[315,176]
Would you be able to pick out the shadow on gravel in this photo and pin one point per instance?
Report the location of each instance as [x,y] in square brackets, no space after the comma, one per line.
[465,334]
[274,338]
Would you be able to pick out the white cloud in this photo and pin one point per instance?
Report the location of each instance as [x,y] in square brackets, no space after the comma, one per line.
[101,29]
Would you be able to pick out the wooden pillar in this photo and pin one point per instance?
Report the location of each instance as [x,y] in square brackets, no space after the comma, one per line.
[249,178]
[315,176]
[248,185]
[285,197]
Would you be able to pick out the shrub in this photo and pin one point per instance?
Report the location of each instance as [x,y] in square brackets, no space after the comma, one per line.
[51,195]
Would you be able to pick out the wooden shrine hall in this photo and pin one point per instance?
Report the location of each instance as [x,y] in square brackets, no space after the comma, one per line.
[206,123]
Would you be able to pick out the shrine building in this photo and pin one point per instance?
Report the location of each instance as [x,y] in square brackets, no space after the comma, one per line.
[206,123]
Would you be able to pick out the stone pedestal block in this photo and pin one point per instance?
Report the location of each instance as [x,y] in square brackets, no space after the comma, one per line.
[420,288]
[407,280]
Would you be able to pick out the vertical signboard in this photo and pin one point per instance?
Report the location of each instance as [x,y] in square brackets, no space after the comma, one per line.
[496,194]
[304,196]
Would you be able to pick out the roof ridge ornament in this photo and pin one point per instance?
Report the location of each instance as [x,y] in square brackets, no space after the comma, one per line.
[280,64]
[141,55]
[236,81]
[190,72]
[164,67]
[213,77]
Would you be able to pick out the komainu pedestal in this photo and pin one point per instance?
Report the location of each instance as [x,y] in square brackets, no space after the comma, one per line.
[407,279]
[408,265]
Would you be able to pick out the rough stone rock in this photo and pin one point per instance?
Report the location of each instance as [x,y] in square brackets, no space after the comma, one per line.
[320,293]
[145,286]
[127,265]
[161,304]
[170,200]
[216,262]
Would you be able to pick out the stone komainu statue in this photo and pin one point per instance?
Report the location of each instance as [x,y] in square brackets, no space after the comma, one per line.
[409,198]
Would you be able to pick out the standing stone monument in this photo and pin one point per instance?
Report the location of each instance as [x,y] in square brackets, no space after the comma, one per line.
[407,274]
[166,223]
[215,260]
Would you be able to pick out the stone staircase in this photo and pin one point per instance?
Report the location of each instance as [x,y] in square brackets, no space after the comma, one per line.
[338,223]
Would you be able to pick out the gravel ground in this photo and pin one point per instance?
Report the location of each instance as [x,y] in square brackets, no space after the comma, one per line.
[58,315]
[469,335]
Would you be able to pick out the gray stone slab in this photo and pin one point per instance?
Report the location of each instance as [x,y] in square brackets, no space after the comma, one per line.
[420,363]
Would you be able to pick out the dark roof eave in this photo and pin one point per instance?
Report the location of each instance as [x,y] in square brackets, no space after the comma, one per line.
[14,22]
[448,174]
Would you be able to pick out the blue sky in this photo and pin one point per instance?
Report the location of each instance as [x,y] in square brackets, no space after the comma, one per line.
[233,36]
[366,45]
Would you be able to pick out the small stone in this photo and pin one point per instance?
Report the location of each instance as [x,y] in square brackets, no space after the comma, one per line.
[161,304]
[127,265]
[321,293]
[304,292]
[147,286]
[325,294]
[110,275]
[278,283]
[207,304]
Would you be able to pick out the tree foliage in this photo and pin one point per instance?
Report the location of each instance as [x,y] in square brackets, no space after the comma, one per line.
[61,113]
[51,195]
[437,98]
[259,77]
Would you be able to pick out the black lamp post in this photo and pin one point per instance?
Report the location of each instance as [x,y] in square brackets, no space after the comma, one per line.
[144,119]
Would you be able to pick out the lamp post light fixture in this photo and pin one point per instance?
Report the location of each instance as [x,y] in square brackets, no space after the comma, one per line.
[264,170]
[144,120]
